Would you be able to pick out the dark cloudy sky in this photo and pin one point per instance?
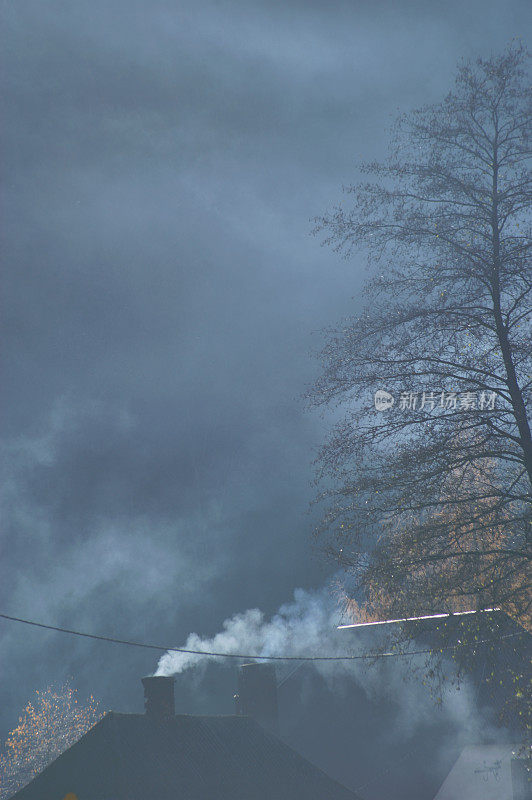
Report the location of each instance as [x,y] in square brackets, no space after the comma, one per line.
[161,163]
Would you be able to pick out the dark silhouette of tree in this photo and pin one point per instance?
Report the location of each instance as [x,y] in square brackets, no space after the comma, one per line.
[429,503]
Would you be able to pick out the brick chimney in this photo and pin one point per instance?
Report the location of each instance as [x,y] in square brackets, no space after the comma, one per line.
[159,696]
[257,694]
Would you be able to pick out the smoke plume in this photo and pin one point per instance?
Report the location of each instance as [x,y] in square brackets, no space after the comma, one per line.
[306,626]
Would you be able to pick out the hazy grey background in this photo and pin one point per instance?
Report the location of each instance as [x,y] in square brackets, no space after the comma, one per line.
[161,163]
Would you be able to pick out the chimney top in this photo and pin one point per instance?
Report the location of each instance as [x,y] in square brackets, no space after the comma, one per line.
[159,696]
[257,694]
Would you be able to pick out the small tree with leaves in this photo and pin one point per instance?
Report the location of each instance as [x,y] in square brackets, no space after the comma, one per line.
[49,724]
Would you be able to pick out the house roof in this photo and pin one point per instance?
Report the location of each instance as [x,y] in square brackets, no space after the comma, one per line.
[135,757]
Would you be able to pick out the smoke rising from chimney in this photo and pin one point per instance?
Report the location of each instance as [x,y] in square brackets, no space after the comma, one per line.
[306,626]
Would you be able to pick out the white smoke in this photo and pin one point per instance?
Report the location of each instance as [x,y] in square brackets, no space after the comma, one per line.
[306,626]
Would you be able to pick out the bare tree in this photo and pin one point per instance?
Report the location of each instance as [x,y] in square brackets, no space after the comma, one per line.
[48,725]
[429,501]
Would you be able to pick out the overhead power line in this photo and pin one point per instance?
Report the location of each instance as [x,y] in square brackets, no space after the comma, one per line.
[163,648]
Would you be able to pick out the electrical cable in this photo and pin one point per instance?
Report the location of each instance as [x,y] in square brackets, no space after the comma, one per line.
[363,656]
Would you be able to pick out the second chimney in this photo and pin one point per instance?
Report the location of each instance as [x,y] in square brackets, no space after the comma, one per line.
[257,694]
[159,696]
